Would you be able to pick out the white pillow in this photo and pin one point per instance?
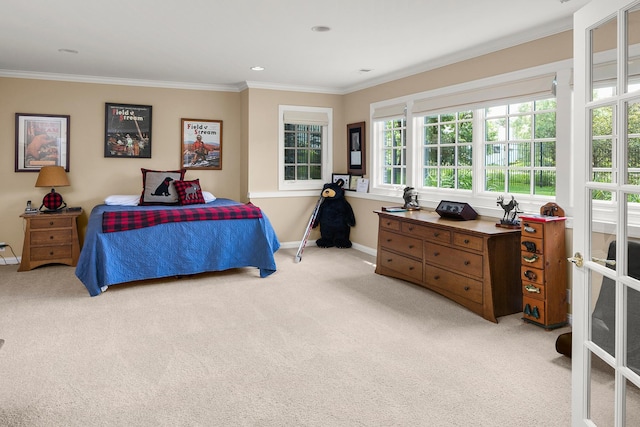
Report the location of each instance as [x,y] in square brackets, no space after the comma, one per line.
[134,200]
[208,197]
[121,200]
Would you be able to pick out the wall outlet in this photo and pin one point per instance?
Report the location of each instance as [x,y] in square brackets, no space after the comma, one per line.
[2,246]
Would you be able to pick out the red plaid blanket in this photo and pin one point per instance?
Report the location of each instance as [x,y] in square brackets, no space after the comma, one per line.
[130,220]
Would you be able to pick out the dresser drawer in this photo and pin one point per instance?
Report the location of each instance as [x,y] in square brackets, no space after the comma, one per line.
[535,310]
[51,237]
[532,260]
[389,224]
[532,245]
[468,241]
[403,265]
[459,285]
[433,234]
[51,221]
[533,290]
[401,243]
[533,275]
[459,261]
[49,253]
[532,229]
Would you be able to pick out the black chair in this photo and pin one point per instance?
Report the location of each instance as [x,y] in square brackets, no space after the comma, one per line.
[603,316]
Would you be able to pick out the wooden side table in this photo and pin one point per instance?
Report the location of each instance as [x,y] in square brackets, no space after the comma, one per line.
[50,239]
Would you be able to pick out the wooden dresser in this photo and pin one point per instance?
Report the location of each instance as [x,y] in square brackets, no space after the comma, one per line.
[473,263]
[50,239]
[544,271]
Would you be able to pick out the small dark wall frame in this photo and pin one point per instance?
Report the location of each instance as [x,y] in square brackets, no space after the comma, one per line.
[41,140]
[356,154]
[127,131]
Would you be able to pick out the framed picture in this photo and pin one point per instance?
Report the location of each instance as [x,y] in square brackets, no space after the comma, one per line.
[353,182]
[356,148]
[201,144]
[127,131]
[41,140]
[345,177]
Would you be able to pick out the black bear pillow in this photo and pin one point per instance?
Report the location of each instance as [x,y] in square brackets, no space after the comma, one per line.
[158,188]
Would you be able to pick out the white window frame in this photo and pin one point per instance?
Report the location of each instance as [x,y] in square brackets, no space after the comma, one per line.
[327,149]
[484,202]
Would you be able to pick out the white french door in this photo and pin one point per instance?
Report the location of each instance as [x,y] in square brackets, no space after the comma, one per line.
[606,291]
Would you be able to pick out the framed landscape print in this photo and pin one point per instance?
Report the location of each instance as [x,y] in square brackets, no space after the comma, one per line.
[127,131]
[41,140]
[201,146]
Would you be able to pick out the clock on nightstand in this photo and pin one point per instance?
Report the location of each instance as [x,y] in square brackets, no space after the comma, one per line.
[456,210]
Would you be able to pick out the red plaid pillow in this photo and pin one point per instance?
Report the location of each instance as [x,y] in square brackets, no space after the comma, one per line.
[189,192]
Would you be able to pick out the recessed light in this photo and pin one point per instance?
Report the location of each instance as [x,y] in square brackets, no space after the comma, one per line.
[67,51]
[257,68]
[320,29]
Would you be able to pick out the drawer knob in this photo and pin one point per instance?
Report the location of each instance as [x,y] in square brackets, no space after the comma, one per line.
[466,288]
[390,259]
[388,240]
[411,246]
[530,259]
[50,237]
[410,228]
[436,277]
[530,275]
[436,253]
[436,234]
[466,241]
[531,246]
[529,229]
[535,313]
[51,253]
[410,268]
[467,262]
[532,289]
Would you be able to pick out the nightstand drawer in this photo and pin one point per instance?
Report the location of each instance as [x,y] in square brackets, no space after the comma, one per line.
[52,221]
[48,253]
[532,260]
[533,290]
[51,237]
[532,275]
[390,224]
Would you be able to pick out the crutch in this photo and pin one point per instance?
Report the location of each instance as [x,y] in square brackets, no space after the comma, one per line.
[307,232]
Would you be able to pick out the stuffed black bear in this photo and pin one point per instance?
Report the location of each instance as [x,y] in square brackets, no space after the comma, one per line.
[335,217]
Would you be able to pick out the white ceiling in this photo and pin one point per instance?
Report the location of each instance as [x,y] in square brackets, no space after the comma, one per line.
[213,43]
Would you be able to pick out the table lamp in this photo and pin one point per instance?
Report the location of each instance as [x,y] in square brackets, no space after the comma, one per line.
[52,176]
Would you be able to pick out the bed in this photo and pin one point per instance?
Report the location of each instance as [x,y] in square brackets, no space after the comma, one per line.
[117,249]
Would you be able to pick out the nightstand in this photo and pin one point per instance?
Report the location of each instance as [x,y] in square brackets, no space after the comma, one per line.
[50,239]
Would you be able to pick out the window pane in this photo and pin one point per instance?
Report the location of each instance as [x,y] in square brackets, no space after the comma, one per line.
[430,177]
[431,157]
[545,125]
[494,180]
[523,107]
[303,147]
[545,183]
[520,154]
[316,172]
[289,139]
[519,181]
[544,154]
[465,132]
[447,178]
[448,156]
[495,130]
[465,180]
[303,156]
[494,155]
[496,111]
[602,153]
[465,155]
[519,128]
[431,135]
[289,156]
[447,133]
[289,173]
[303,172]
[602,121]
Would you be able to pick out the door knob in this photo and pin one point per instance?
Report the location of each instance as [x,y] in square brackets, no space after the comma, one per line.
[577,259]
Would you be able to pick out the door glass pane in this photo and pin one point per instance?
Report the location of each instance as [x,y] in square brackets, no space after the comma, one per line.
[633,144]
[633,49]
[603,289]
[602,144]
[633,404]
[602,388]
[604,61]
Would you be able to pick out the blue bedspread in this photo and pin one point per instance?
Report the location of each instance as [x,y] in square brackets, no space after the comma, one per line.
[174,249]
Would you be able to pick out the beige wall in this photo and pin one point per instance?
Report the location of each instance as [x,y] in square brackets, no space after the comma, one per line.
[250,137]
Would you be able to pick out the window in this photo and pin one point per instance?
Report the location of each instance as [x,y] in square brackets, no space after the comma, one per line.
[478,140]
[447,141]
[393,151]
[520,148]
[305,147]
